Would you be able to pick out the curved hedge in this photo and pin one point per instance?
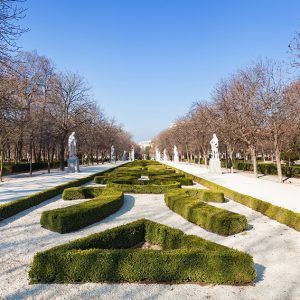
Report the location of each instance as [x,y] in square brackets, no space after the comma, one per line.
[71,218]
[280,214]
[209,217]
[112,256]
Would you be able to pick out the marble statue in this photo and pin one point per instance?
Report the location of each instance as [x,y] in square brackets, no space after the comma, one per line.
[165,155]
[73,161]
[176,156]
[214,143]
[112,154]
[72,144]
[124,157]
[214,162]
[157,154]
[132,153]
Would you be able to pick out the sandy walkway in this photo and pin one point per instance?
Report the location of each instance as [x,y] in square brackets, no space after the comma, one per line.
[21,185]
[284,195]
[275,248]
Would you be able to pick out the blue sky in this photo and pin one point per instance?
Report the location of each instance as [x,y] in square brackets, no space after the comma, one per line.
[147,61]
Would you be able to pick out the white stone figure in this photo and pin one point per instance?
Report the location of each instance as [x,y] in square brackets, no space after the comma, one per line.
[124,155]
[112,154]
[176,156]
[157,154]
[73,161]
[214,162]
[72,144]
[165,156]
[132,153]
[214,143]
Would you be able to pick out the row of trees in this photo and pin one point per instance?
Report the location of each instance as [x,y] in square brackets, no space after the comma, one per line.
[40,107]
[254,112]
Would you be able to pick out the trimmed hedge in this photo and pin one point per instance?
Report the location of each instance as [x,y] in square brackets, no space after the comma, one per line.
[75,217]
[22,167]
[277,213]
[204,195]
[9,209]
[209,217]
[145,189]
[107,257]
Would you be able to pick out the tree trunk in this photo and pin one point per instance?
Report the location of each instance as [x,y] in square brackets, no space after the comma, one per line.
[1,165]
[254,160]
[278,162]
[49,158]
[62,155]
[30,158]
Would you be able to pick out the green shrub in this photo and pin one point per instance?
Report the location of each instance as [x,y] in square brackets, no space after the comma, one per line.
[144,189]
[74,217]
[204,195]
[108,257]
[211,218]
[280,214]
[9,209]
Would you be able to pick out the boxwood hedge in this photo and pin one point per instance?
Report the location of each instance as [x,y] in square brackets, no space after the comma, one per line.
[280,214]
[9,209]
[111,256]
[71,218]
[209,217]
[145,189]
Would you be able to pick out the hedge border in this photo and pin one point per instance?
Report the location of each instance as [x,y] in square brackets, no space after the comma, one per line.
[105,202]
[211,218]
[112,256]
[144,189]
[9,209]
[277,213]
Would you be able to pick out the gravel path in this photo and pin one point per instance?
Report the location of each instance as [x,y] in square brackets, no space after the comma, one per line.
[275,248]
[284,195]
[20,185]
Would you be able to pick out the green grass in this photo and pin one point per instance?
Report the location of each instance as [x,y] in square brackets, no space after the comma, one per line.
[108,257]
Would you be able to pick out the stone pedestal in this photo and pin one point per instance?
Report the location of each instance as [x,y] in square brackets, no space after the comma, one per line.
[215,166]
[73,164]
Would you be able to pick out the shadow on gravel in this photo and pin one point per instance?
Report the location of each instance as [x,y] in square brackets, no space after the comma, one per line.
[260,271]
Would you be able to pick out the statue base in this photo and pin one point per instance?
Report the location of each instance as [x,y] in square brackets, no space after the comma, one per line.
[73,164]
[215,166]
[176,159]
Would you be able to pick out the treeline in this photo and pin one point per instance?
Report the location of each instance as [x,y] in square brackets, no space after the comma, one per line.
[255,113]
[40,107]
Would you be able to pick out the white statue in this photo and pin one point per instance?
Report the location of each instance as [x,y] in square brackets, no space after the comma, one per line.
[132,153]
[214,143]
[157,154]
[72,144]
[73,161]
[165,158]
[112,153]
[176,156]
[214,162]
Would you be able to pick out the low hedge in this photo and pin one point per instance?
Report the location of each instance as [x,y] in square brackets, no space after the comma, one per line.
[9,209]
[280,214]
[204,195]
[22,167]
[75,217]
[144,189]
[209,217]
[111,256]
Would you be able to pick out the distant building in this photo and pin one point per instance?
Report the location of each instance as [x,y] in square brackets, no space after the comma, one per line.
[145,144]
